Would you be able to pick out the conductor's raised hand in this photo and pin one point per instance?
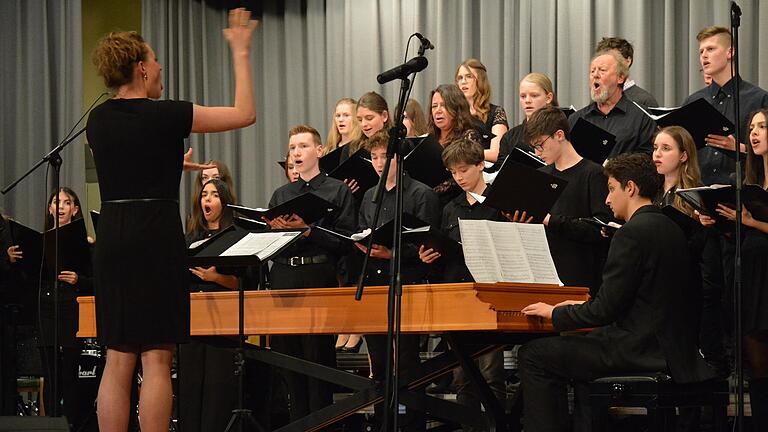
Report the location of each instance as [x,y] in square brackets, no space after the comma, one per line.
[240,29]
[428,256]
[190,165]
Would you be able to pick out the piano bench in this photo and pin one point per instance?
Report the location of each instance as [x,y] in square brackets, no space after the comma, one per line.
[659,395]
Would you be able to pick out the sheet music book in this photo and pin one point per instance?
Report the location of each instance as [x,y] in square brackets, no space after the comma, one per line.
[610,226]
[434,239]
[518,187]
[238,247]
[567,110]
[74,253]
[95,219]
[507,252]
[263,244]
[699,118]
[383,235]
[706,198]
[592,141]
[330,161]
[425,162]
[686,223]
[308,206]
[359,168]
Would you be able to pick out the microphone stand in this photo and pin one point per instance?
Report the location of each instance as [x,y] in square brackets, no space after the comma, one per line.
[53,158]
[737,292]
[394,149]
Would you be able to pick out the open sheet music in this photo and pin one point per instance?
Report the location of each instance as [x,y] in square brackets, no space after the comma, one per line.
[262,244]
[507,252]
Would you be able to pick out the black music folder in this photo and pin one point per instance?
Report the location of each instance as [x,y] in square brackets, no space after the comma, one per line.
[308,206]
[282,164]
[526,158]
[567,110]
[331,160]
[238,247]
[37,247]
[384,233]
[425,162]
[95,219]
[699,118]
[436,240]
[609,226]
[359,168]
[688,224]
[706,198]
[518,187]
[592,141]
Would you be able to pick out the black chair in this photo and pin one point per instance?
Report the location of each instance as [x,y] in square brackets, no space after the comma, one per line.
[660,396]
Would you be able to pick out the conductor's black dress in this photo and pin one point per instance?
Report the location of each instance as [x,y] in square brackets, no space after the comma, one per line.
[141,281]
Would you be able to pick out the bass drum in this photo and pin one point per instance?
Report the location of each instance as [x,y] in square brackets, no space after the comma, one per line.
[90,365]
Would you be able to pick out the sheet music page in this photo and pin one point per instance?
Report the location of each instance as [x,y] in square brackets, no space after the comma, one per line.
[533,238]
[262,245]
[513,261]
[479,253]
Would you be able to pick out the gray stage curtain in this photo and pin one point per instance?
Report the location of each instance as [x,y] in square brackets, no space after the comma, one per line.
[307,54]
[41,84]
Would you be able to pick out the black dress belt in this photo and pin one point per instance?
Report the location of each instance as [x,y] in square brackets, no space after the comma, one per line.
[296,261]
[137,200]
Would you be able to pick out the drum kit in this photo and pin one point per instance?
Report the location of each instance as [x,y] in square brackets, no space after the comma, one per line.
[90,366]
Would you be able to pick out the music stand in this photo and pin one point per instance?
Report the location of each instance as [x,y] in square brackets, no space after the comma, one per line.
[239,247]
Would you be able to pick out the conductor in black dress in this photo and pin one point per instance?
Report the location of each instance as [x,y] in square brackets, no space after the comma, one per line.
[142,297]
[644,312]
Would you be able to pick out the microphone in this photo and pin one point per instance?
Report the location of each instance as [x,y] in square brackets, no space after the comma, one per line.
[424,42]
[416,64]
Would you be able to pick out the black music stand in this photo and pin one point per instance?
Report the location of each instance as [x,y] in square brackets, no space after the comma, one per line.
[218,251]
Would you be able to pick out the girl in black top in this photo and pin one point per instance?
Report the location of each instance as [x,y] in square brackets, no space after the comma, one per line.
[472,79]
[206,381]
[142,291]
[754,268]
[675,156]
[73,282]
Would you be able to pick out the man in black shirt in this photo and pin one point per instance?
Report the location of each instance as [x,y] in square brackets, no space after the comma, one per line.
[612,110]
[419,200]
[718,160]
[310,262]
[577,246]
[464,159]
[643,314]
[631,90]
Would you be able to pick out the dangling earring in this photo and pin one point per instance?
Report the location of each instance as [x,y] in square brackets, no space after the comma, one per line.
[145,76]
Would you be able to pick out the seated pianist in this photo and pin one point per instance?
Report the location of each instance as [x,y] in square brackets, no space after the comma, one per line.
[644,313]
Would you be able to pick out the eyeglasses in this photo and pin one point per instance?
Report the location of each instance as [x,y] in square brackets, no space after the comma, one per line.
[540,145]
[467,77]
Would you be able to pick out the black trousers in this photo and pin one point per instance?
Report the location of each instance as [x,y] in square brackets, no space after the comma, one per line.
[207,386]
[413,420]
[305,394]
[547,366]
